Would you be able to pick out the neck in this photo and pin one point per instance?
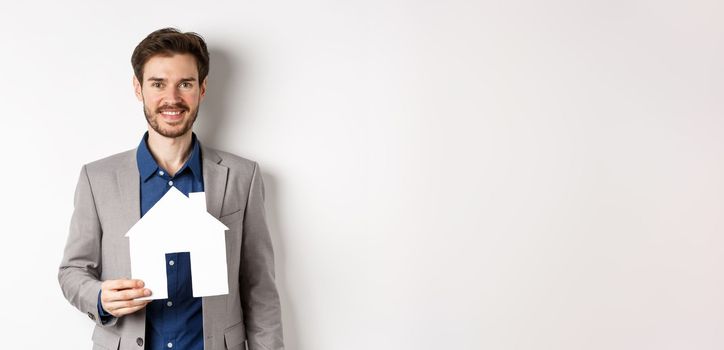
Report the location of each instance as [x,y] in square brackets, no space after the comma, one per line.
[169,152]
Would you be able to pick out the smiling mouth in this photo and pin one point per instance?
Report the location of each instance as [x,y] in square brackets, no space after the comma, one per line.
[172,114]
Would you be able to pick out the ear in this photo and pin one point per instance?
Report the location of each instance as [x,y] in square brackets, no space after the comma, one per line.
[203,89]
[137,88]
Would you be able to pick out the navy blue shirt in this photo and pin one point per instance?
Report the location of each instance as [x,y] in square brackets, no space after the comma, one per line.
[176,322]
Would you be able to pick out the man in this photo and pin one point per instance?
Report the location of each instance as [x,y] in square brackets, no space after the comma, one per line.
[170,70]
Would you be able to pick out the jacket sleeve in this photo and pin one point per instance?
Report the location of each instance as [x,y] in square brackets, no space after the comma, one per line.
[259,296]
[79,272]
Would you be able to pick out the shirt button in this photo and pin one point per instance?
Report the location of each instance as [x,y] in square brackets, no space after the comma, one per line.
[170,262]
[169,345]
[139,341]
[170,183]
[169,303]
[160,172]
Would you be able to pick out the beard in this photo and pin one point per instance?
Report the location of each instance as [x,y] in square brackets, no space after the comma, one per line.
[174,130]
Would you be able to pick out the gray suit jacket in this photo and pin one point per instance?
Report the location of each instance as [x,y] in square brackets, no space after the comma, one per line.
[107,204]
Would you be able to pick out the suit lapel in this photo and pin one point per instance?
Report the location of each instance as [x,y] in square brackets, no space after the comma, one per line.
[215,176]
[128,206]
[129,189]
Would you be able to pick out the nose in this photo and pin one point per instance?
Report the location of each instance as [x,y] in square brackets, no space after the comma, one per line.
[171,96]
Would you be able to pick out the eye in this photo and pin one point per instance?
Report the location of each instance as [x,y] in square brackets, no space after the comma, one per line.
[156,84]
[186,85]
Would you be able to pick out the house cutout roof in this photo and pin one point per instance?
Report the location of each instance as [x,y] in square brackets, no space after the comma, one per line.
[177,223]
[175,210]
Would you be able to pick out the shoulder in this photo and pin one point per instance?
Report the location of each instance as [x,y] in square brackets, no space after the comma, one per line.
[232,161]
[111,164]
[241,173]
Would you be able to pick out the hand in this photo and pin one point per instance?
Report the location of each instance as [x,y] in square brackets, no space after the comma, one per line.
[117,296]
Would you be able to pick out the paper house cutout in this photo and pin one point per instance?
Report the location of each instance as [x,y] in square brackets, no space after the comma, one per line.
[175,224]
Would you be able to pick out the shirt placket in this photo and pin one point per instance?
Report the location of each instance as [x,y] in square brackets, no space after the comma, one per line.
[170,317]
[169,314]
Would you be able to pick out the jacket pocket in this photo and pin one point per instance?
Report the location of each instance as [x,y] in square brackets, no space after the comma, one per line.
[104,340]
[231,219]
[234,337]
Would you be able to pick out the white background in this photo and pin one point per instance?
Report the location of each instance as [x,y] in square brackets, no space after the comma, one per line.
[440,174]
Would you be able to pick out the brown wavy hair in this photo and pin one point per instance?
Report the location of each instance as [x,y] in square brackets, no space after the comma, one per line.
[167,42]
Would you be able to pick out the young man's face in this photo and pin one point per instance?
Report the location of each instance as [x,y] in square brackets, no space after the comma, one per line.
[171,93]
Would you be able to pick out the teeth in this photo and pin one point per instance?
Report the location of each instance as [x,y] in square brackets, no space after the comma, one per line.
[171,113]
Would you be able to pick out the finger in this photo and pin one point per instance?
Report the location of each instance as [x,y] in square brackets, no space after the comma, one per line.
[117,305]
[121,284]
[128,310]
[126,294]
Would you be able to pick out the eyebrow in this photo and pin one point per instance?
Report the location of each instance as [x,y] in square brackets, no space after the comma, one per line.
[164,80]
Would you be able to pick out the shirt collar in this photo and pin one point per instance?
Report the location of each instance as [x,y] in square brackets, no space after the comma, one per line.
[147,166]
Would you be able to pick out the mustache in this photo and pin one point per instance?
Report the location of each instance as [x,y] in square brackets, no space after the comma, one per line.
[176,106]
